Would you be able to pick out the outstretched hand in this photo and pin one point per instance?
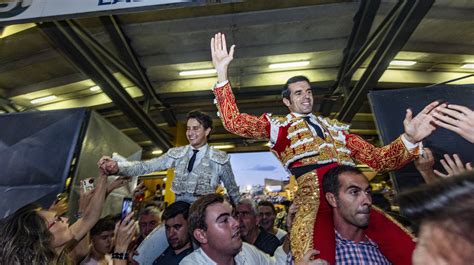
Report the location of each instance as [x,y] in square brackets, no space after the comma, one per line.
[424,164]
[422,125]
[456,118]
[453,166]
[309,259]
[221,58]
[107,165]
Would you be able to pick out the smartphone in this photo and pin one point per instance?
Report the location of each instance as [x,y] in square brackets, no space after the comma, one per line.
[88,184]
[126,207]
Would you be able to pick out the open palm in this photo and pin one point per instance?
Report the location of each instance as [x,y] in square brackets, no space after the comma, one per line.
[422,125]
[221,58]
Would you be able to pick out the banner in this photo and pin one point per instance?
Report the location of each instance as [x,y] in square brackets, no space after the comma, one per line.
[38,10]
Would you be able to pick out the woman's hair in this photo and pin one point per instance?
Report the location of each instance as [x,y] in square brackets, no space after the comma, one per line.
[25,238]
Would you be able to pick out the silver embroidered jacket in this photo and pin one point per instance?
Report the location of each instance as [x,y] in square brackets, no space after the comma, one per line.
[213,168]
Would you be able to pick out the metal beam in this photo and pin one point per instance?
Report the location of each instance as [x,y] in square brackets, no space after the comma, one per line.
[370,45]
[7,105]
[398,33]
[80,55]
[121,42]
[363,21]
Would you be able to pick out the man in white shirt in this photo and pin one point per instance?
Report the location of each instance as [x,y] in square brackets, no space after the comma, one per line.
[217,234]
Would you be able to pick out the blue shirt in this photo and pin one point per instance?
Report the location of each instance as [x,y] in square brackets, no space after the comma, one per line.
[168,257]
[365,252]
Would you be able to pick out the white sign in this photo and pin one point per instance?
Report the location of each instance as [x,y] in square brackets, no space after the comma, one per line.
[12,10]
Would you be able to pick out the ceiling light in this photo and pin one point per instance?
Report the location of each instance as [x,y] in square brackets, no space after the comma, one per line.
[95,88]
[157,152]
[224,146]
[402,63]
[288,65]
[43,99]
[468,66]
[198,72]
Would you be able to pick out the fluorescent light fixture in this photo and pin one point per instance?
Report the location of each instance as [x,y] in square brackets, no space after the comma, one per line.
[402,63]
[468,66]
[95,88]
[43,99]
[198,72]
[288,65]
[224,146]
[157,152]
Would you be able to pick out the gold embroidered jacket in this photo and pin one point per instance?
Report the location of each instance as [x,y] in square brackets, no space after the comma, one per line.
[295,144]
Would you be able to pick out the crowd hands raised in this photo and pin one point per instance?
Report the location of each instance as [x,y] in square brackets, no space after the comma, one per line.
[211,230]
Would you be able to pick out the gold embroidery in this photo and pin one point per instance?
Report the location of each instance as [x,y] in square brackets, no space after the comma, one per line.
[307,200]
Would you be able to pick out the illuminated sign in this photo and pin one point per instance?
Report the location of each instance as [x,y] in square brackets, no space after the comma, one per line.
[38,10]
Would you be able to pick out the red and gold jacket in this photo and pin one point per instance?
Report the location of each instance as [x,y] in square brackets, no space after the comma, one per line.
[294,143]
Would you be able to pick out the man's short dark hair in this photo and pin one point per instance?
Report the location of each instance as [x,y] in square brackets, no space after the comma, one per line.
[197,212]
[203,118]
[448,203]
[269,204]
[176,209]
[104,224]
[285,93]
[331,182]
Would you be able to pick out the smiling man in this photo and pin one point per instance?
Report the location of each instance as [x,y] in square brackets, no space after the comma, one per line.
[309,145]
[199,168]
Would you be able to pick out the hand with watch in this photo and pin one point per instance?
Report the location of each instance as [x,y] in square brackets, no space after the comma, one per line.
[124,234]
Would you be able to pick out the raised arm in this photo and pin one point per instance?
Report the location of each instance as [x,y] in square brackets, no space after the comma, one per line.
[235,122]
[401,151]
[93,210]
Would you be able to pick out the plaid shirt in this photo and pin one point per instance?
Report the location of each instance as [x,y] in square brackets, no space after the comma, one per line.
[352,253]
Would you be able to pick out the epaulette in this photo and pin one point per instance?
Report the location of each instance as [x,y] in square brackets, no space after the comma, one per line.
[279,121]
[177,152]
[218,156]
[334,124]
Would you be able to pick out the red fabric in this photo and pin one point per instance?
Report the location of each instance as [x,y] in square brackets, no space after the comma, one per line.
[393,242]
[324,238]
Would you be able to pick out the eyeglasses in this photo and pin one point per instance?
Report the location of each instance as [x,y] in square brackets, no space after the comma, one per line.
[56,219]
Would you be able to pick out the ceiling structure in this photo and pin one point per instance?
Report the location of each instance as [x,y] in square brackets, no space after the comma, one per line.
[136,59]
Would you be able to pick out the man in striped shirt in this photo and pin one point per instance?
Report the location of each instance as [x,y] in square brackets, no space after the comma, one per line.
[349,194]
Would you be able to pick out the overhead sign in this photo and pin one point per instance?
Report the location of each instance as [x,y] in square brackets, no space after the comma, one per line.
[28,10]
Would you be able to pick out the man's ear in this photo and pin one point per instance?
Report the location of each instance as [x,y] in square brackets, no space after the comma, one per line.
[331,199]
[287,102]
[200,235]
[207,131]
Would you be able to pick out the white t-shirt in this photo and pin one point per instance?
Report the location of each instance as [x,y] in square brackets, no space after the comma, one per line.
[248,255]
[280,233]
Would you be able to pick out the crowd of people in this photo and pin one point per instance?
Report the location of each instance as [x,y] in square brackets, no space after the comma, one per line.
[332,219]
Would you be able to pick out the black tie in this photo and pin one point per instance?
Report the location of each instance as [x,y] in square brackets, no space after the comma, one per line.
[191,161]
[318,130]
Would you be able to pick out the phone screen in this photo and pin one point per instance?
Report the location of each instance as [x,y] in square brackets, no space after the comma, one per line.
[88,184]
[126,207]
